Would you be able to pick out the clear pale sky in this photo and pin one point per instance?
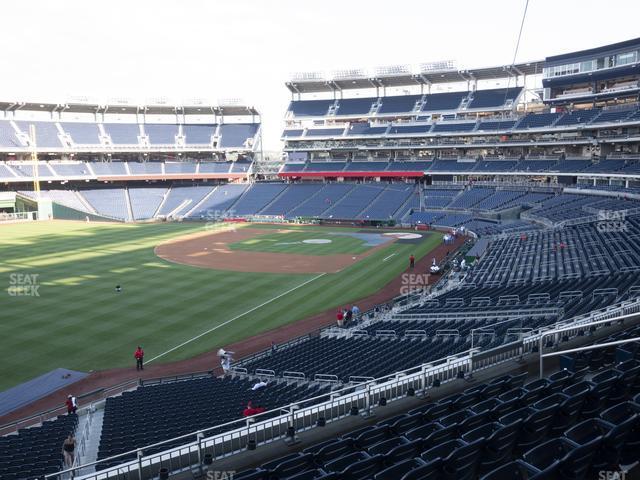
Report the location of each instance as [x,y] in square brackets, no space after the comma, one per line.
[180,49]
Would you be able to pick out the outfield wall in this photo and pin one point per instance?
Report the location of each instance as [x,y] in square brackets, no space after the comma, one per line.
[61,212]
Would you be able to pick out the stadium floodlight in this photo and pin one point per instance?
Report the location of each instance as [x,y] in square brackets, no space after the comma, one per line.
[120,101]
[156,101]
[440,66]
[392,70]
[83,99]
[348,74]
[195,101]
[230,102]
[308,77]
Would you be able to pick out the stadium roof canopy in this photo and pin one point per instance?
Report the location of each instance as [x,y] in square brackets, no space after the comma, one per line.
[229,109]
[403,75]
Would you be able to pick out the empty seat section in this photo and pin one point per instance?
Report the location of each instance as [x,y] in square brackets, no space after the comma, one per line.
[238,135]
[217,203]
[257,197]
[355,106]
[47,133]
[198,134]
[161,134]
[145,201]
[123,133]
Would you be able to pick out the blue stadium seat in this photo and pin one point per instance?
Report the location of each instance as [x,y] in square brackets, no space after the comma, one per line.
[571,460]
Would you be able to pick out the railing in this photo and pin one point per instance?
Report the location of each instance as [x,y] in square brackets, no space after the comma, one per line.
[269,351]
[495,313]
[264,428]
[264,372]
[93,396]
[385,333]
[18,216]
[294,375]
[84,437]
[574,330]
[174,378]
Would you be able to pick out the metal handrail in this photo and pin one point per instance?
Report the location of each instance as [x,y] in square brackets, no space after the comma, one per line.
[174,378]
[421,376]
[50,413]
[344,394]
[586,348]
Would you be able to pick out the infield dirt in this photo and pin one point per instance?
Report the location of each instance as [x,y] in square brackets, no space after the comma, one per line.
[211,250]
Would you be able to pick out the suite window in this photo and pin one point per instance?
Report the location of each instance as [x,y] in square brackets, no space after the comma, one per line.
[626,58]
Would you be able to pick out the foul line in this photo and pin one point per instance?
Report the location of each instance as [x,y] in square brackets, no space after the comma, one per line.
[235,318]
[388,257]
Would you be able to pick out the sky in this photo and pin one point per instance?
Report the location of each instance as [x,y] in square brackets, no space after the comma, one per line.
[53,50]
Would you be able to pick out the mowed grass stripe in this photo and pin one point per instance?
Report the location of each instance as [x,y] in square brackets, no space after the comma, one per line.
[80,322]
[331,291]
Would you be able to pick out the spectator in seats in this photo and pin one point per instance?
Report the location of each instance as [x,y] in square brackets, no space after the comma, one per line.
[340,317]
[356,313]
[225,360]
[68,450]
[260,384]
[412,261]
[250,410]
[71,404]
[348,316]
[139,356]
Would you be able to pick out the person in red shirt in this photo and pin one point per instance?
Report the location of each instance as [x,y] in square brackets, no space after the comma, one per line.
[250,410]
[139,356]
[71,405]
[340,317]
[412,261]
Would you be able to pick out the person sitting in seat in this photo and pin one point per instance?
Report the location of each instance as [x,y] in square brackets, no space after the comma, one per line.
[250,410]
[260,384]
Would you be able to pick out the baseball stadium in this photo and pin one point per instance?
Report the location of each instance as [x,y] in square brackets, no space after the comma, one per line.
[436,276]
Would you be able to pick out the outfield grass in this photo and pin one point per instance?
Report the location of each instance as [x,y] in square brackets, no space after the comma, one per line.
[293,242]
[79,322]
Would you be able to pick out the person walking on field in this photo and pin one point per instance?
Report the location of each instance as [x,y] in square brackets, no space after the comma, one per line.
[139,356]
[412,261]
